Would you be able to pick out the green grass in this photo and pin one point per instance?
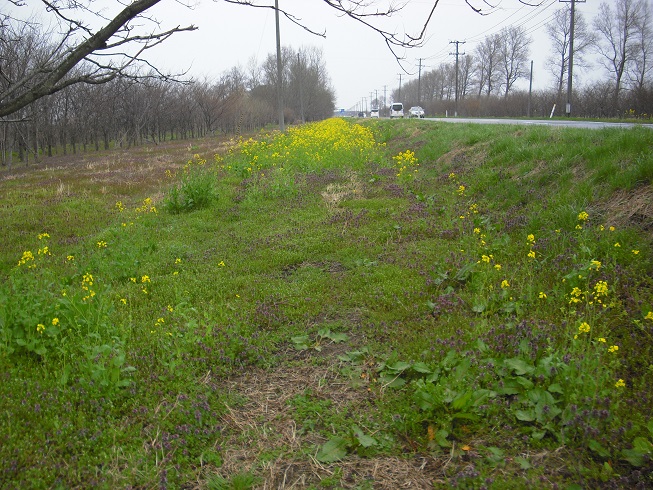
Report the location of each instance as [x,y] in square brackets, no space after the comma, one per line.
[346,306]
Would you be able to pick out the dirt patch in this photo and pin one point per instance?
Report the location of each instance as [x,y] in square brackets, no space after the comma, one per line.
[631,207]
[265,438]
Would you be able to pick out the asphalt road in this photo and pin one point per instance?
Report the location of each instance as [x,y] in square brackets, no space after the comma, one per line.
[541,122]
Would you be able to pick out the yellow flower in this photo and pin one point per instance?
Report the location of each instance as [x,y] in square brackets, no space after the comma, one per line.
[101,244]
[649,316]
[601,339]
[620,384]
[635,252]
[55,321]
[584,327]
[531,238]
[123,301]
[531,254]
[40,328]
[177,260]
[617,245]
[505,284]
[542,295]
[170,308]
[595,264]
[583,216]
[613,348]
[497,267]
[145,279]
[485,259]
[70,258]
[611,228]
[221,264]
[477,230]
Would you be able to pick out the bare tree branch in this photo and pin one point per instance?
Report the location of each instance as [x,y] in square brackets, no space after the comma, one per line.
[53,73]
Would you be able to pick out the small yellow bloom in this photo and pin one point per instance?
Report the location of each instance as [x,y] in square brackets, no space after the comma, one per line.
[485,259]
[123,301]
[584,327]
[617,245]
[170,308]
[70,258]
[649,316]
[595,264]
[611,228]
[542,295]
[531,238]
[620,384]
[177,260]
[101,244]
[601,339]
[477,230]
[583,216]
[221,264]
[145,279]
[55,321]
[505,284]
[635,252]
[497,267]
[41,236]
[531,254]
[613,348]
[40,328]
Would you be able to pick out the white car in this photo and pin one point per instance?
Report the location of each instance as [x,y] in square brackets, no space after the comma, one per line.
[374,113]
[396,110]
[416,111]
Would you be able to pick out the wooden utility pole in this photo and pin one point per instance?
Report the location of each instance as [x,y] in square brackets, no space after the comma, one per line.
[282,126]
[457,54]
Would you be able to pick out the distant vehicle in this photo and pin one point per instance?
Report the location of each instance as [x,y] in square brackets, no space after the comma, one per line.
[416,111]
[374,113]
[361,114]
[396,110]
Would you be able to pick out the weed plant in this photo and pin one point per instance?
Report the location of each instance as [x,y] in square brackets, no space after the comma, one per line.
[482,293]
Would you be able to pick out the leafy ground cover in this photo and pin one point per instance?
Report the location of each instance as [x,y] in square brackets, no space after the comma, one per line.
[390,304]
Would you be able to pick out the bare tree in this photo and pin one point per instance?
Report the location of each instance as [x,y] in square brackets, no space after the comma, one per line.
[642,48]
[513,56]
[487,67]
[559,34]
[616,39]
[97,55]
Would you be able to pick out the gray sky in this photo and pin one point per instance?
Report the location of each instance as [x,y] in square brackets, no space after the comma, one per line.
[356,57]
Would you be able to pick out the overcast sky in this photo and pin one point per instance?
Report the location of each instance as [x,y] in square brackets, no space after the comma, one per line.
[357,58]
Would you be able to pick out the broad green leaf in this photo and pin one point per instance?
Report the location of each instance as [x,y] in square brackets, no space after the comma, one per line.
[525,415]
[519,366]
[421,367]
[333,450]
[595,446]
[524,464]
[363,439]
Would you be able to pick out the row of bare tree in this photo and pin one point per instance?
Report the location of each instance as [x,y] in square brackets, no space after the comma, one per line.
[125,112]
[619,41]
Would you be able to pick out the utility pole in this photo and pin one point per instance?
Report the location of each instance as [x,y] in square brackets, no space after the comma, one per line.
[530,91]
[457,54]
[419,83]
[282,126]
[571,52]
[385,88]
[399,94]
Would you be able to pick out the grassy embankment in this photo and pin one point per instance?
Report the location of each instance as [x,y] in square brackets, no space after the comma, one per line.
[343,306]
